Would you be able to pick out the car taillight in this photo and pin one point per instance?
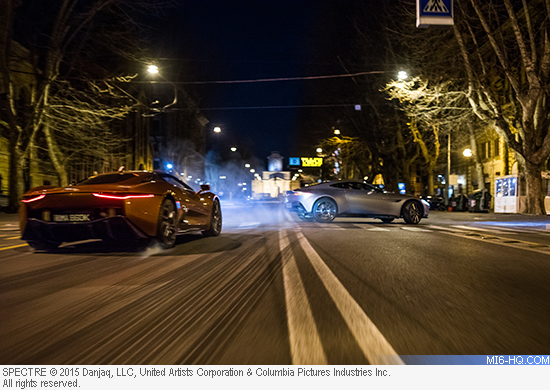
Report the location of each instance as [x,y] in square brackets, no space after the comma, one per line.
[34,198]
[122,196]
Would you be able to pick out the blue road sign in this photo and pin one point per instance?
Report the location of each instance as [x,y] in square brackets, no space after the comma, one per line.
[294,161]
[434,12]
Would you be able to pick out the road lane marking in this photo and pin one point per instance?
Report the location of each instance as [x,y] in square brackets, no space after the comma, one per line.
[374,345]
[305,343]
[447,229]
[12,238]
[516,244]
[482,229]
[414,229]
[372,228]
[12,247]
[248,225]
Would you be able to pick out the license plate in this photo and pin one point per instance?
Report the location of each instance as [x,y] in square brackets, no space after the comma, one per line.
[71,218]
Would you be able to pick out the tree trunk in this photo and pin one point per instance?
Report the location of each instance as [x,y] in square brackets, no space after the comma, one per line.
[535,195]
[431,169]
[480,174]
[15,187]
[54,157]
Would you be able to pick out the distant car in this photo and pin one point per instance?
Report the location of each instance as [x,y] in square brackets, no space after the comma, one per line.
[346,198]
[133,206]
[436,202]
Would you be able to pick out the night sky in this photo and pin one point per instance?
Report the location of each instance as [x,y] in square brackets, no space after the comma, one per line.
[242,40]
[220,40]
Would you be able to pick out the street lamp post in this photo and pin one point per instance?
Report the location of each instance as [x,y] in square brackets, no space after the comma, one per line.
[467,153]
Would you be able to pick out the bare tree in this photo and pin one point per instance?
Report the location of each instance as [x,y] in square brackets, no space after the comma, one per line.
[78,123]
[350,157]
[59,48]
[511,39]
[433,109]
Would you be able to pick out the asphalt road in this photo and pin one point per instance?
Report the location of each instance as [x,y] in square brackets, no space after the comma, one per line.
[275,290]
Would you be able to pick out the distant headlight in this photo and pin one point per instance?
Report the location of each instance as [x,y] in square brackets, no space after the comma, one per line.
[426,203]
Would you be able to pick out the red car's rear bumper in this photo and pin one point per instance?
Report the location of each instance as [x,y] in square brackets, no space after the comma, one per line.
[116,228]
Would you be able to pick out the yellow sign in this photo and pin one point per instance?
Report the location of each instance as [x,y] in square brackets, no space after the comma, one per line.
[312,161]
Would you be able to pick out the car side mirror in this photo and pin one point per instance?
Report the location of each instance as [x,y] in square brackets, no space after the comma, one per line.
[205,187]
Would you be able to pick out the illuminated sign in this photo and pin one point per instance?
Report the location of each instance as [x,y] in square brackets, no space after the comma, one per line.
[311,161]
[306,162]
[434,12]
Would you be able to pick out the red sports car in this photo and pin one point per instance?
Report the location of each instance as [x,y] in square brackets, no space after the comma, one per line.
[130,207]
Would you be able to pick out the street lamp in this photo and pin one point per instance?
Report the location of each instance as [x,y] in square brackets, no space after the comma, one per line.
[233,149]
[217,129]
[467,153]
[402,75]
[152,69]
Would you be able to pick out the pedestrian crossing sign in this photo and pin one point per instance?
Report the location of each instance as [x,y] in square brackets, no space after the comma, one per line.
[434,12]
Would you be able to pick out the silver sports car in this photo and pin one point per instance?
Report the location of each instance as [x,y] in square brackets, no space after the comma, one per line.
[347,198]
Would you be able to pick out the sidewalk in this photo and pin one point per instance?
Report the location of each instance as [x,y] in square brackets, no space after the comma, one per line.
[9,218]
[538,222]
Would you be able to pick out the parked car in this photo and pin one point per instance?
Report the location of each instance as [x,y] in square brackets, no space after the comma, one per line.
[129,207]
[436,202]
[325,201]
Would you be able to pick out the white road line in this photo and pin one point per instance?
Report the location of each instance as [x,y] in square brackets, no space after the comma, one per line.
[444,228]
[248,225]
[372,228]
[330,226]
[289,217]
[373,344]
[414,229]
[482,229]
[305,343]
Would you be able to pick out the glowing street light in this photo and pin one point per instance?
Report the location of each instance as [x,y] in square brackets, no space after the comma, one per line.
[152,69]
[169,166]
[402,75]
[319,150]
[217,129]
[336,131]
[247,165]
[233,149]
[467,153]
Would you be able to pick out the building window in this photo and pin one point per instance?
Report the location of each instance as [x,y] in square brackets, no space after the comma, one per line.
[485,150]
[497,147]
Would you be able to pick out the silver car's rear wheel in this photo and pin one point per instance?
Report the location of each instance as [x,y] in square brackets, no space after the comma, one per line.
[412,212]
[324,210]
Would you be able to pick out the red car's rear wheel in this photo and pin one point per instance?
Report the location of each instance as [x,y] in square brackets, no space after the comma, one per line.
[215,227]
[167,229]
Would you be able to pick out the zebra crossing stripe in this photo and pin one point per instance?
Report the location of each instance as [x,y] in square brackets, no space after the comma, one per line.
[372,228]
